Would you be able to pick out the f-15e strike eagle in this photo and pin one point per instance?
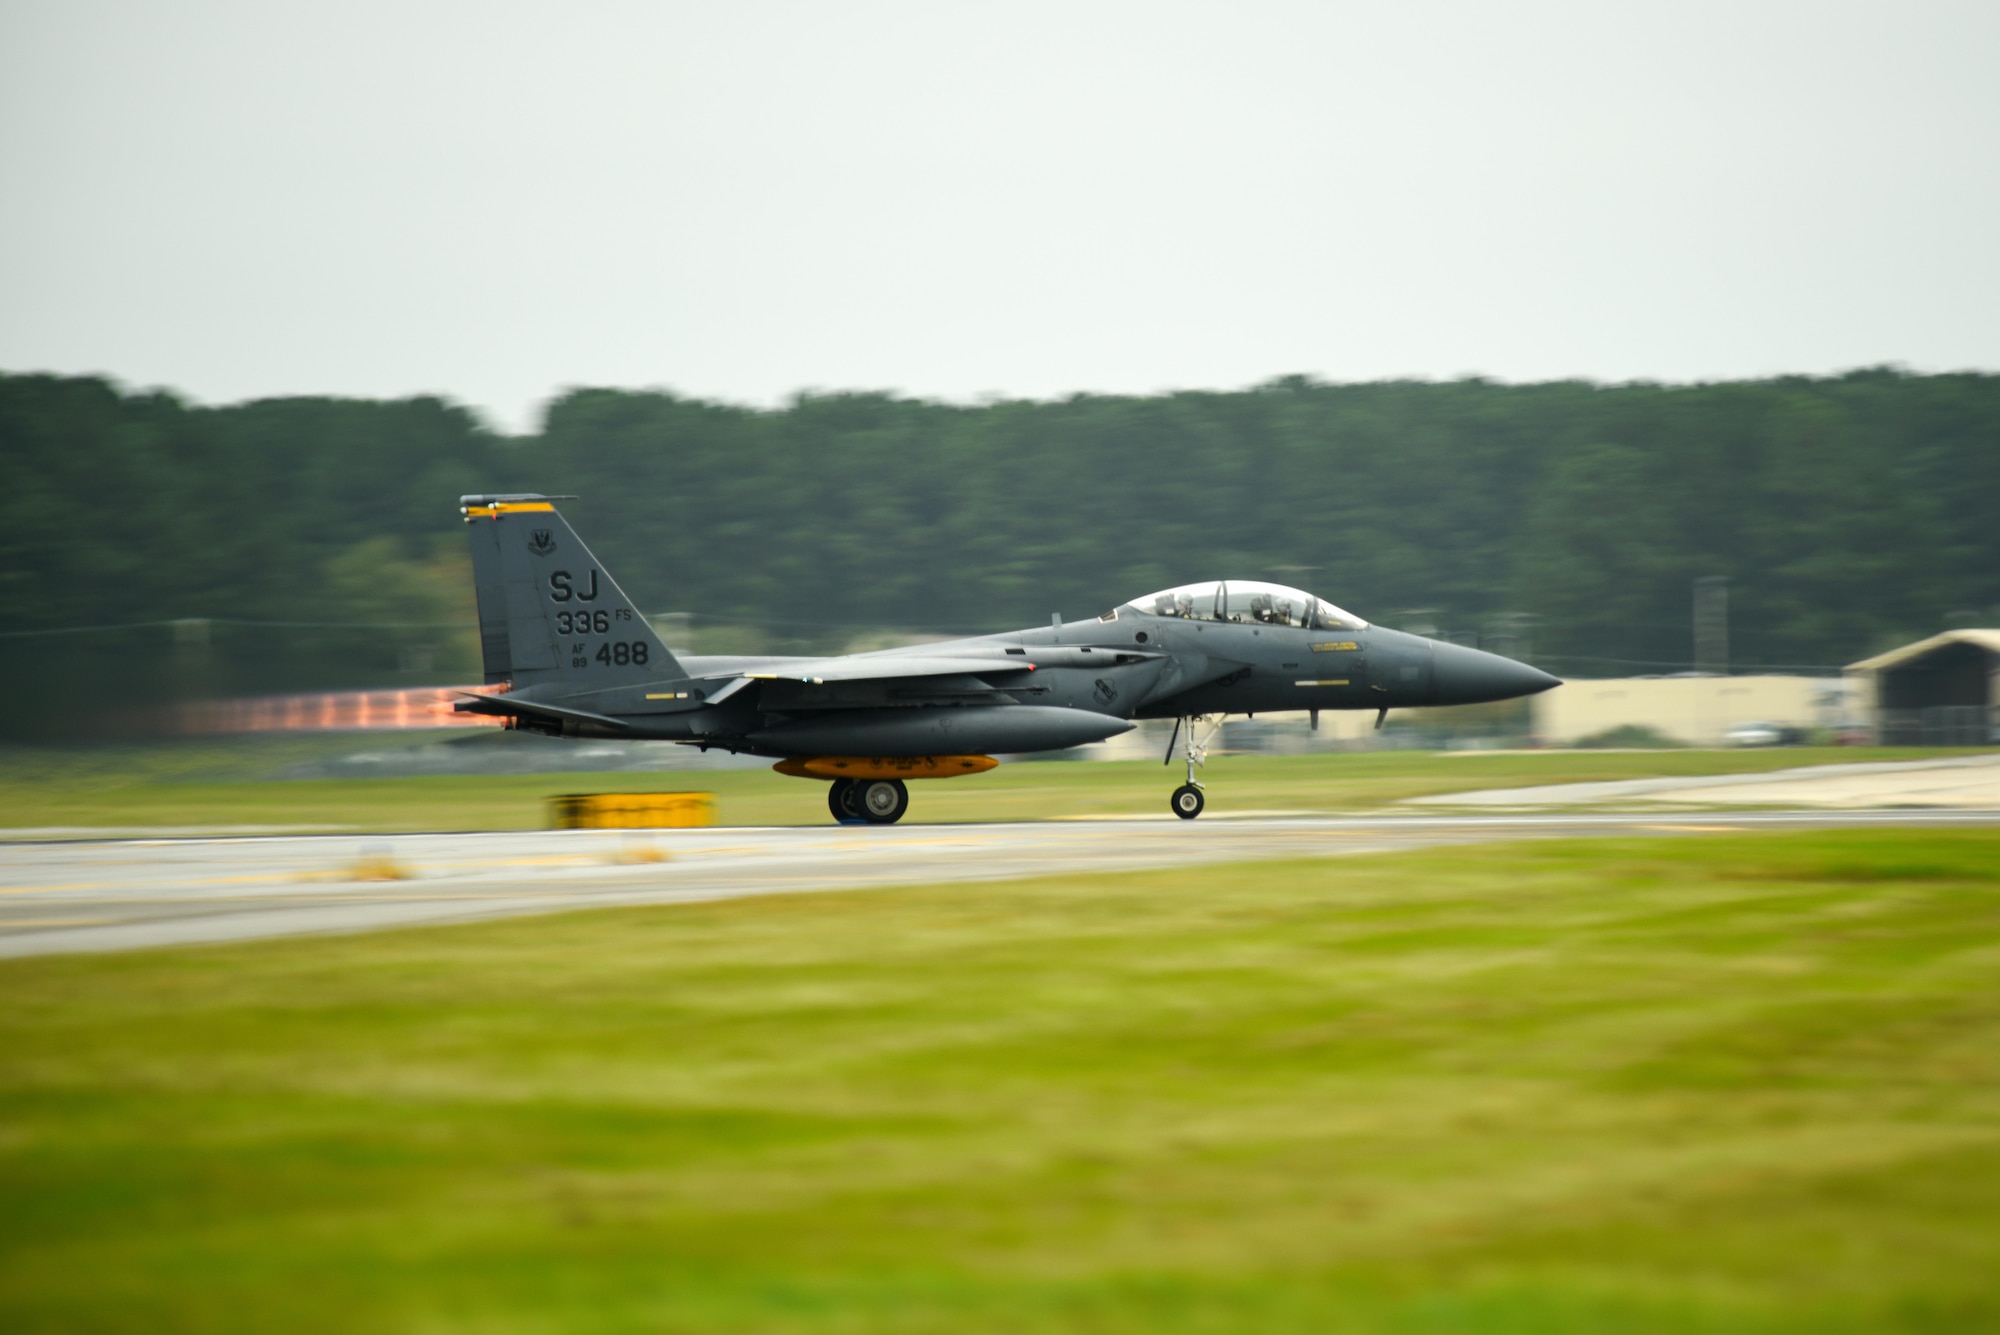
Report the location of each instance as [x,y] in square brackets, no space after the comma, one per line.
[572,657]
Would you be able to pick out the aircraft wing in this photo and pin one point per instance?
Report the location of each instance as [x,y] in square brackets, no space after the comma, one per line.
[901,666]
[885,667]
[889,666]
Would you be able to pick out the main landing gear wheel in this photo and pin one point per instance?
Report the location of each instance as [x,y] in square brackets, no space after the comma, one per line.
[877,801]
[845,802]
[1188,801]
[882,801]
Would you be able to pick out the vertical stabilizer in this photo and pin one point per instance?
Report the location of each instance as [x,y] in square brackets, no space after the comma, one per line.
[548,611]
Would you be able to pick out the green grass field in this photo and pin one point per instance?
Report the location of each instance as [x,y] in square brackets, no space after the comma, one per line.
[209,785]
[1707,1084]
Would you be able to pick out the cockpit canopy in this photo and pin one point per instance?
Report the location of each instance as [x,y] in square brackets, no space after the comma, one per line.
[1246,601]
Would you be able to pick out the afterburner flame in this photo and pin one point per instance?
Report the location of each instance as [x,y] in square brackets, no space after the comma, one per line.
[336,711]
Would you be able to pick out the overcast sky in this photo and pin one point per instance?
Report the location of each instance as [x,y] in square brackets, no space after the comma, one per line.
[494,201]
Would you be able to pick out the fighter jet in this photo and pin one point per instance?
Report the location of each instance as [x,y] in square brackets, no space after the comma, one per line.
[566,654]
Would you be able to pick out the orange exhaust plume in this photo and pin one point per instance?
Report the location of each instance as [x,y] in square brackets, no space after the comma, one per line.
[335,711]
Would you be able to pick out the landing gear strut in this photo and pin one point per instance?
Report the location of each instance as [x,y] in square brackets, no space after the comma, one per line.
[1188,799]
[876,801]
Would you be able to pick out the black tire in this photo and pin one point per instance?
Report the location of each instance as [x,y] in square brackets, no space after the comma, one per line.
[1187,801]
[844,802]
[881,801]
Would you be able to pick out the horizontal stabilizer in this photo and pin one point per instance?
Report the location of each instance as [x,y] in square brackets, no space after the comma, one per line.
[508,706]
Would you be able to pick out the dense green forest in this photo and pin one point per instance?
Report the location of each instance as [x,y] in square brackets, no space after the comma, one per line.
[1566,521]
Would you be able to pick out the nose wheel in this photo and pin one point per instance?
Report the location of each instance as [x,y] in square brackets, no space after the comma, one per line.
[1188,799]
[874,801]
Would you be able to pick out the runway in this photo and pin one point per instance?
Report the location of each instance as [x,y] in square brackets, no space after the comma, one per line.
[134,893]
[1944,781]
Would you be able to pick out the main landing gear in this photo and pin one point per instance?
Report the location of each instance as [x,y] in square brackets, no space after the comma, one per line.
[1188,799]
[876,801]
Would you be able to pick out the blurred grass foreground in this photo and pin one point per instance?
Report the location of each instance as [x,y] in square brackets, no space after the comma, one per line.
[1728,1083]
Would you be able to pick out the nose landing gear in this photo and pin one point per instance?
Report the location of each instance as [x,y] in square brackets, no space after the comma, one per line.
[876,801]
[1188,799]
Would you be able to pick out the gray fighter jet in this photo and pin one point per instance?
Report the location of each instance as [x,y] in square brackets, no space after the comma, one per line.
[566,654]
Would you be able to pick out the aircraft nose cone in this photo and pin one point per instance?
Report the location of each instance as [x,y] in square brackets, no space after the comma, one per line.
[1463,676]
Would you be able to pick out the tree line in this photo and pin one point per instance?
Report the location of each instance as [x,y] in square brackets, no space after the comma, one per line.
[1566,521]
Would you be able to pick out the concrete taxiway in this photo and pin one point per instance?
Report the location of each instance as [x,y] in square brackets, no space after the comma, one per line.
[1971,782]
[60,897]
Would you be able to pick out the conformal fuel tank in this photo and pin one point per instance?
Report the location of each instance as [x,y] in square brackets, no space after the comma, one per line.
[933,731]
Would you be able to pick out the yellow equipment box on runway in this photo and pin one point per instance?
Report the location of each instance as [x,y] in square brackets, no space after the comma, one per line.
[632,811]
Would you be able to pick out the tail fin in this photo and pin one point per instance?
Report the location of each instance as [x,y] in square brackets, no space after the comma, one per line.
[548,612]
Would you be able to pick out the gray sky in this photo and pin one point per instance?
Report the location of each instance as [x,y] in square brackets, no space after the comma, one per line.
[492,201]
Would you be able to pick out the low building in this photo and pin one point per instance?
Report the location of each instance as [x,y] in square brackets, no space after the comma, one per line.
[1694,710]
[1936,692]
[1286,733]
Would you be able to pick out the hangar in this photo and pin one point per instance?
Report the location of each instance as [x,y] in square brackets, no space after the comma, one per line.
[1936,692]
